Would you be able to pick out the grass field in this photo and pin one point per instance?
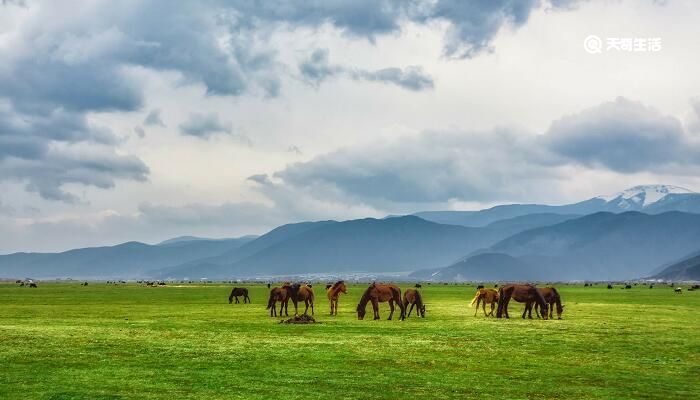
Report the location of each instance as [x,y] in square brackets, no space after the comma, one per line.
[64,341]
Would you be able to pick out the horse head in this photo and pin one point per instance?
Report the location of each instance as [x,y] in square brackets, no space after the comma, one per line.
[422,310]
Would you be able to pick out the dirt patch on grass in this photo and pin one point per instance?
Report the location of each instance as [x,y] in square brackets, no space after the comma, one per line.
[300,319]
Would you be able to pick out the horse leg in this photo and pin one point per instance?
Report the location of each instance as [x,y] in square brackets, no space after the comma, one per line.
[375,308]
[483,306]
[391,307]
[551,310]
[505,307]
[409,310]
[237,302]
[306,303]
[476,310]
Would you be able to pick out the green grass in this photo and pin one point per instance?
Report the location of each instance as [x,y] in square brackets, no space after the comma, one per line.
[64,341]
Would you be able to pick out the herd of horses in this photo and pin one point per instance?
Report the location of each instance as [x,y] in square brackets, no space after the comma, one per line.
[543,300]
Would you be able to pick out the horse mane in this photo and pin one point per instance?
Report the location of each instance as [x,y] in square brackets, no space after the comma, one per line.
[540,299]
[419,298]
[335,285]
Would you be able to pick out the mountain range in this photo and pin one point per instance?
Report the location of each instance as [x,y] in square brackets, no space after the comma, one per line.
[634,233]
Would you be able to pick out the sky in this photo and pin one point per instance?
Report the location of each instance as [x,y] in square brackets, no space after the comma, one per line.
[146,120]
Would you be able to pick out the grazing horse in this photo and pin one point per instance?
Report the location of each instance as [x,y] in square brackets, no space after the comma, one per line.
[484,296]
[333,292]
[377,293]
[551,296]
[299,292]
[522,294]
[414,298]
[239,292]
[280,294]
[678,290]
[32,285]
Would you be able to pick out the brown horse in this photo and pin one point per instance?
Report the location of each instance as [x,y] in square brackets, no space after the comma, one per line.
[522,294]
[280,294]
[377,293]
[299,292]
[551,296]
[484,296]
[239,292]
[414,298]
[333,292]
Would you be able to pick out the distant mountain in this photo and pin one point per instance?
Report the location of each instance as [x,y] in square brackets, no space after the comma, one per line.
[531,221]
[375,245]
[650,199]
[215,265]
[486,267]
[127,260]
[688,269]
[607,245]
[601,246]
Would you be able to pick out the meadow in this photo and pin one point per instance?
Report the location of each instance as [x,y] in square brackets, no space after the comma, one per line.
[66,341]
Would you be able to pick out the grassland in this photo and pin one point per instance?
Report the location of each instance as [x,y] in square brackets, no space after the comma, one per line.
[65,341]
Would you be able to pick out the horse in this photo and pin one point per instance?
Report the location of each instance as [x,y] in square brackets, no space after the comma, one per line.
[522,294]
[333,292]
[280,294]
[551,296]
[380,293]
[678,290]
[414,298]
[299,292]
[239,292]
[489,296]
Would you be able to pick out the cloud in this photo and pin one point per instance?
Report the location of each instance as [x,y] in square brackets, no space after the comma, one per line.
[90,165]
[623,136]
[60,67]
[139,132]
[204,125]
[317,68]
[154,118]
[498,165]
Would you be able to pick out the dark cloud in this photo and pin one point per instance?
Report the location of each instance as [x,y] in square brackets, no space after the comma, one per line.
[262,179]
[500,165]
[623,136]
[154,118]
[139,132]
[91,165]
[317,68]
[204,125]
[54,74]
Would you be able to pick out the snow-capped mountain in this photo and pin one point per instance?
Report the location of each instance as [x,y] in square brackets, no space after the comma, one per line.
[650,199]
[640,197]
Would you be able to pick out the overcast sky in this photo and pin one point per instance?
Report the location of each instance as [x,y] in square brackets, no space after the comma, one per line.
[147,120]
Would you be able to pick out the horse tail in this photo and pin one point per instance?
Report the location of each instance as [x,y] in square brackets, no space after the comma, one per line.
[271,300]
[476,297]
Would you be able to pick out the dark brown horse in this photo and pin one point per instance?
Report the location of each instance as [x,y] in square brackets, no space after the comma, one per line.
[551,296]
[239,292]
[414,298]
[281,295]
[333,292]
[299,292]
[484,296]
[522,294]
[377,293]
